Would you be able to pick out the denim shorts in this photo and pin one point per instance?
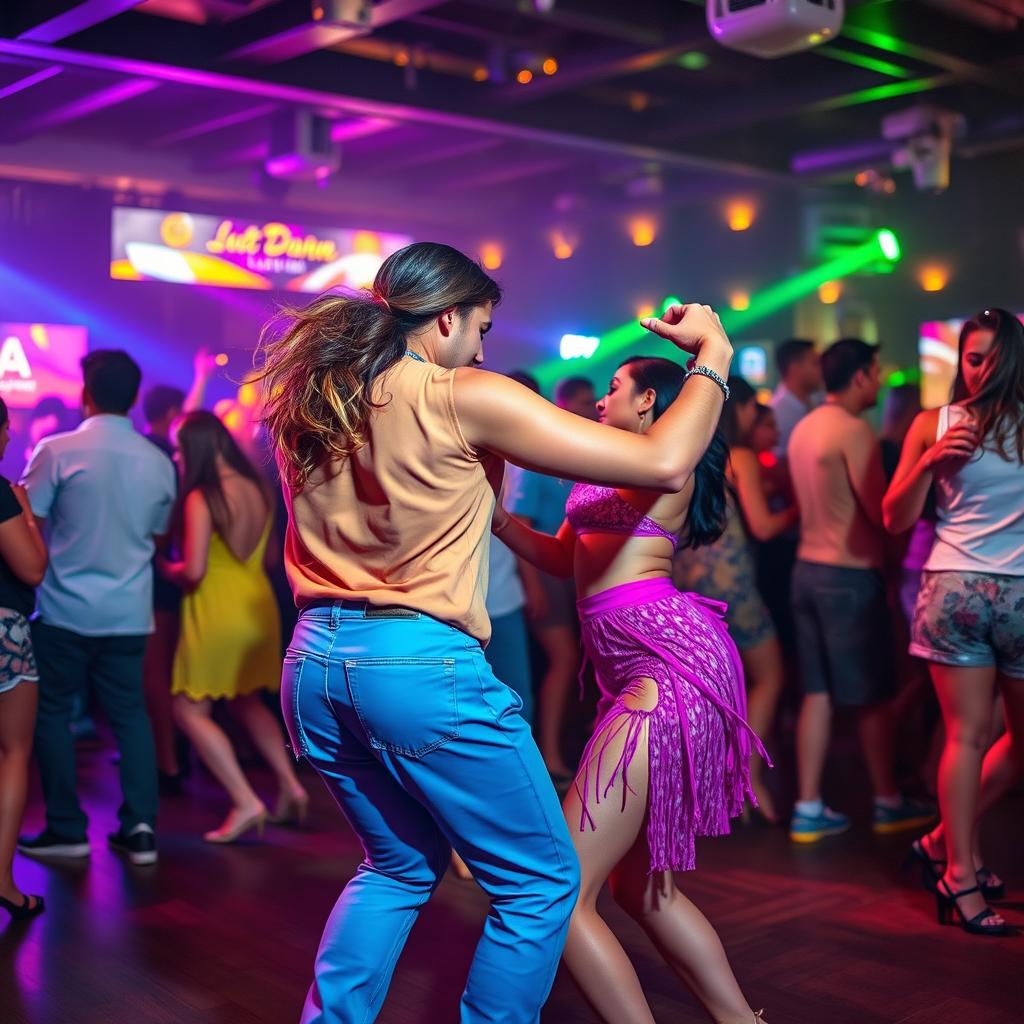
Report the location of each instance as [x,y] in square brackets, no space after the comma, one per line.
[971,619]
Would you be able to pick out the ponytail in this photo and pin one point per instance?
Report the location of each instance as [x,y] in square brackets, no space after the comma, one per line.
[318,370]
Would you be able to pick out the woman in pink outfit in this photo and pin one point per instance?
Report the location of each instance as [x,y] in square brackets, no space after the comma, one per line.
[669,758]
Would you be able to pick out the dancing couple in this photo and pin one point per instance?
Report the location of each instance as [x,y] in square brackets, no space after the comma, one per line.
[391,444]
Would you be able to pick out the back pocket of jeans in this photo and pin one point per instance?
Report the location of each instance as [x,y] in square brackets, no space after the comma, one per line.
[405,705]
[291,709]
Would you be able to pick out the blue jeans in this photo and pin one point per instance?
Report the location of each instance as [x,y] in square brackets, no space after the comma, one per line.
[425,750]
[508,654]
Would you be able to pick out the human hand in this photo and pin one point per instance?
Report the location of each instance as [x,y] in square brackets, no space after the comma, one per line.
[691,328]
[958,443]
[204,363]
[22,496]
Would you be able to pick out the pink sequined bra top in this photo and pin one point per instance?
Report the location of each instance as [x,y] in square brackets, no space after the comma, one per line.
[594,509]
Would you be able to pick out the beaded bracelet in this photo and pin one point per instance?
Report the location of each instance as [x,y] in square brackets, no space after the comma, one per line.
[706,371]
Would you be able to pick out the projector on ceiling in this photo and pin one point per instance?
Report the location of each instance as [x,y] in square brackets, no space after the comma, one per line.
[773,28]
[301,147]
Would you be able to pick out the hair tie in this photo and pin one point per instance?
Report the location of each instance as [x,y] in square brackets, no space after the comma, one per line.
[377,297]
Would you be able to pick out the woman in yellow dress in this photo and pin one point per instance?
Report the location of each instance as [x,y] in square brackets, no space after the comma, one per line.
[230,643]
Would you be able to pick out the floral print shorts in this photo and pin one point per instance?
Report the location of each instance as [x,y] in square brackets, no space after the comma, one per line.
[17,659]
[971,619]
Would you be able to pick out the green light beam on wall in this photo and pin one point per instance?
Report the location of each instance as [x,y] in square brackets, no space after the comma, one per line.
[882,246]
[861,60]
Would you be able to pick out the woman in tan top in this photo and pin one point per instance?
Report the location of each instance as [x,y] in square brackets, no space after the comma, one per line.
[391,445]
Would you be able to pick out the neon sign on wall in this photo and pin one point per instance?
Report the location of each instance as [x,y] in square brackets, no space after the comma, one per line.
[40,361]
[225,252]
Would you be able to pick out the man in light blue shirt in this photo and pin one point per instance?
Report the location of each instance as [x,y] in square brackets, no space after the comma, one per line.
[104,493]
[799,389]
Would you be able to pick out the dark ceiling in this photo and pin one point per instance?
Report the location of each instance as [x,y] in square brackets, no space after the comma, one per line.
[643,106]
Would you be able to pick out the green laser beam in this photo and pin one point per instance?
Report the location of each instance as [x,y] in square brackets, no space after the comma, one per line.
[861,60]
[882,246]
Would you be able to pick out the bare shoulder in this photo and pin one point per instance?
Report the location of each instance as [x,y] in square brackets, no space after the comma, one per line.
[743,460]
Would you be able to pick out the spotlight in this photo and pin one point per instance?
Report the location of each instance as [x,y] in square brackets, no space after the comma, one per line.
[491,256]
[642,231]
[933,278]
[889,244]
[221,359]
[644,310]
[525,76]
[550,66]
[739,215]
[481,74]
[739,301]
[829,292]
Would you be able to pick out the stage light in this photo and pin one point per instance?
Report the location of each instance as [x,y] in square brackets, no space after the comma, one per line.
[221,359]
[491,256]
[525,76]
[889,244]
[561,245]
[644,310]
[578,346]
[829,292]
[739,215]
[639,102]
[933,278]
[694,61]
[642,231]
[550,66]
[402,59]
[739,301]
[896,379]
[481,74]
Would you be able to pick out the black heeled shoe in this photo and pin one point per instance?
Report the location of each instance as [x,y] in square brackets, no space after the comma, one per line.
[933,869]
[949,911]
[27,908]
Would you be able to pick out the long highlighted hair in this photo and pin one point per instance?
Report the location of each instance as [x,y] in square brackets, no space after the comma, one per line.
[319,370]
[998,404]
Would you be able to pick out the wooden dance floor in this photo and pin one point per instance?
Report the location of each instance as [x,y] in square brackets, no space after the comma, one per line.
[226,935]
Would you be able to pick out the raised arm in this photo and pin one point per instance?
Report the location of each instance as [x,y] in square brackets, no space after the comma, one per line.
[761,521]
[504,417]
[904,500]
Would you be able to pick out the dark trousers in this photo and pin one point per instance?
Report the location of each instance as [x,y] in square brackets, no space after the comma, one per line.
[112,667]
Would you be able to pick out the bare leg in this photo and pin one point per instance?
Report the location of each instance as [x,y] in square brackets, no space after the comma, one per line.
[593,955]
[17,720]
[875,725]
[217,754]
[269,740]
[762,667]
[156,682]
[965,695]
[562,651]
[813,731]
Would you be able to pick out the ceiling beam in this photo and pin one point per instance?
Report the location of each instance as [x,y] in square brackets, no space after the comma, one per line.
[257,88]
[77,19]
[288,31]
[600,68]
[42,75]
[214,124]
[84,106]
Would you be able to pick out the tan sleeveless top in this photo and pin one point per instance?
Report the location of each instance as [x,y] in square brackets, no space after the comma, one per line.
[405,521]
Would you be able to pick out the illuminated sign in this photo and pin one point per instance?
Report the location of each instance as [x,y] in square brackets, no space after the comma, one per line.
[41,361]
[226,252]
[752,364]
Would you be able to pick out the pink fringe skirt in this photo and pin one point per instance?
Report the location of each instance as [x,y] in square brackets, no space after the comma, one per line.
[699,740]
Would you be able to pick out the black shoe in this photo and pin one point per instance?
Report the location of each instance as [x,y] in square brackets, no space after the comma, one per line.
[949,912]
[138,845]
[30,906]
[50,845]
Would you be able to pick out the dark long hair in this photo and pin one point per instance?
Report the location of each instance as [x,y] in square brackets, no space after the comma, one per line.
[317,375]
[740,393]
[201,438]
[998,404]
[4,414]
[706,516]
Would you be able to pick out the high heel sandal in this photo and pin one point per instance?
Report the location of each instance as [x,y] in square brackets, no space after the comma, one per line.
[759,1017]
[25,910]
[932,869]
[948,910]
[224,835]
[290,810]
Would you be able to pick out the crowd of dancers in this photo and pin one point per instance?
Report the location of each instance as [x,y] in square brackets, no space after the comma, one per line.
[712,549]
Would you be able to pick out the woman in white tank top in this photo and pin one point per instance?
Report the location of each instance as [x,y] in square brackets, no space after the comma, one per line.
[969,620]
